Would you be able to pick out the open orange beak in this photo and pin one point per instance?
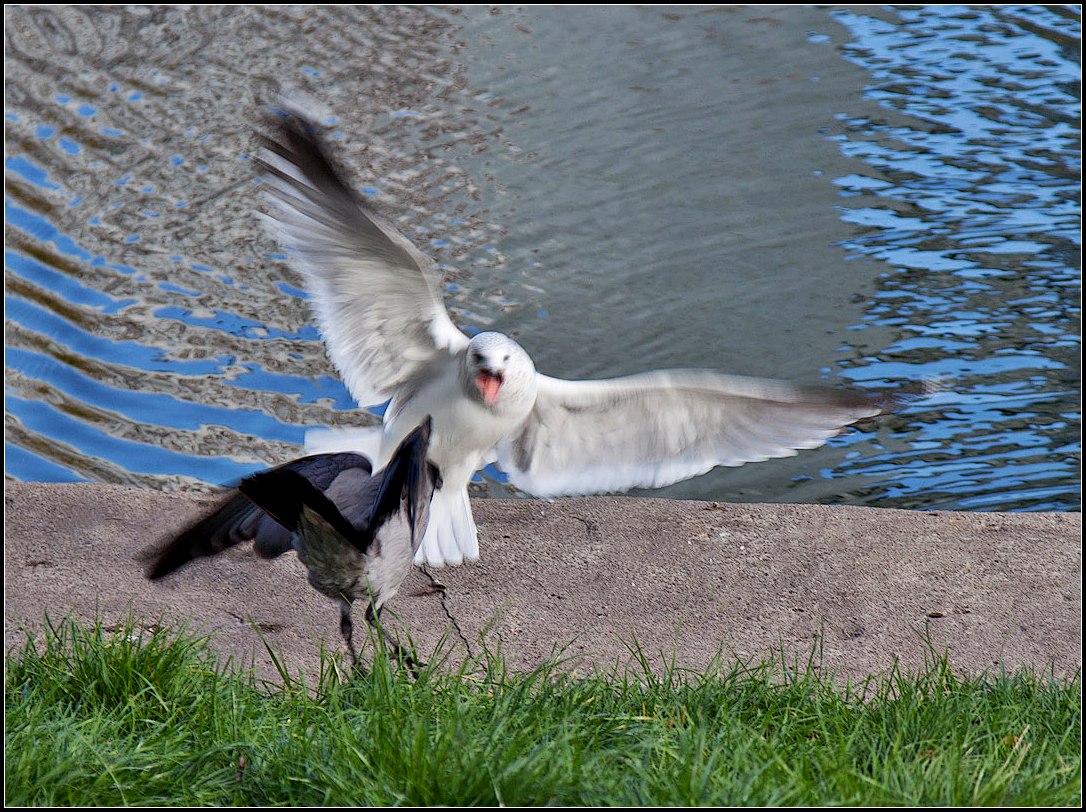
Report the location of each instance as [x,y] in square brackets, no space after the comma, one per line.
[489,384]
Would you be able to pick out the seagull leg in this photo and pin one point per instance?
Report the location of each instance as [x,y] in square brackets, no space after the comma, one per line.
[373,618]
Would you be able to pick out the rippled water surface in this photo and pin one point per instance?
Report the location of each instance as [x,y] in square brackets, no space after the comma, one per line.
[863,196]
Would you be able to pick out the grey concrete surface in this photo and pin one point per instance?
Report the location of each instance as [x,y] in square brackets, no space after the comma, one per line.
[859,587]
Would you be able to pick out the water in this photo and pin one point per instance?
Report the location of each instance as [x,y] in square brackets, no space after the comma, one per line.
[863,196]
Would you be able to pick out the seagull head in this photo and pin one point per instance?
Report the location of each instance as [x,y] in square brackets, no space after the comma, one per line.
[498,370]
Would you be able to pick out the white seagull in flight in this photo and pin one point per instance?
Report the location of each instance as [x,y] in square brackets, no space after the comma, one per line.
[389,335]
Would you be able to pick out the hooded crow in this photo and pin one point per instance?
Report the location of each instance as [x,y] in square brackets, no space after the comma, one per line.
[356,532]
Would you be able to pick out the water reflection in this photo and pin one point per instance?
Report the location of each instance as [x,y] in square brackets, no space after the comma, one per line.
[151,340]
[153,337]
[973,201]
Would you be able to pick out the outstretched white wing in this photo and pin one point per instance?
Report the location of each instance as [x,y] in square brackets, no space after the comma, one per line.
[382,320]
[653,429]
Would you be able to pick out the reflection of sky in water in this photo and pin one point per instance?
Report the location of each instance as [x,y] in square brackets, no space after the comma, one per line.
[129,362]
[105,385]
[86,353]
[975,204]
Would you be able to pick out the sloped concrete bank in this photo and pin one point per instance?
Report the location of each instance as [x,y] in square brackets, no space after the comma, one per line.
[861,586]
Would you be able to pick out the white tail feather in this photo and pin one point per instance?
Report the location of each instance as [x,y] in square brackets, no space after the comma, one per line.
[366,441]
[451,537]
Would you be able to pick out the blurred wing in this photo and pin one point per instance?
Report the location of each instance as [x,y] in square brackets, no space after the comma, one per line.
[285,494]
[337,486]
[656,428]
[381,319]
[406,484]
[323,469]
[235,519]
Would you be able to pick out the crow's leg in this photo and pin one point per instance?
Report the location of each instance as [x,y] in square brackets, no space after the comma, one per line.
[346,628]
[373,618]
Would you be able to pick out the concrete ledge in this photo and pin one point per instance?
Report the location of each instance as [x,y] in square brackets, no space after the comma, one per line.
[862,585]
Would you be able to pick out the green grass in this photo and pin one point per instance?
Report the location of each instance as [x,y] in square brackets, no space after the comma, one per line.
[148,718]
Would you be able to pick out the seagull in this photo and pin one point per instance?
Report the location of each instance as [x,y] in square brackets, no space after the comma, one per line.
[387,332]
[356,532]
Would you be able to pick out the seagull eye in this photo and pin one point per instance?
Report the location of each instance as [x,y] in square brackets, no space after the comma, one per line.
[476,357]
[506,358]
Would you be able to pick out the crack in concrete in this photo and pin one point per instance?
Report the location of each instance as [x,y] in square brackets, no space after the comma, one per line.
[440,587]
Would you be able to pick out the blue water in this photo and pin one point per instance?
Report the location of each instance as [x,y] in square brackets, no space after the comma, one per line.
[974,204]
[867,196]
